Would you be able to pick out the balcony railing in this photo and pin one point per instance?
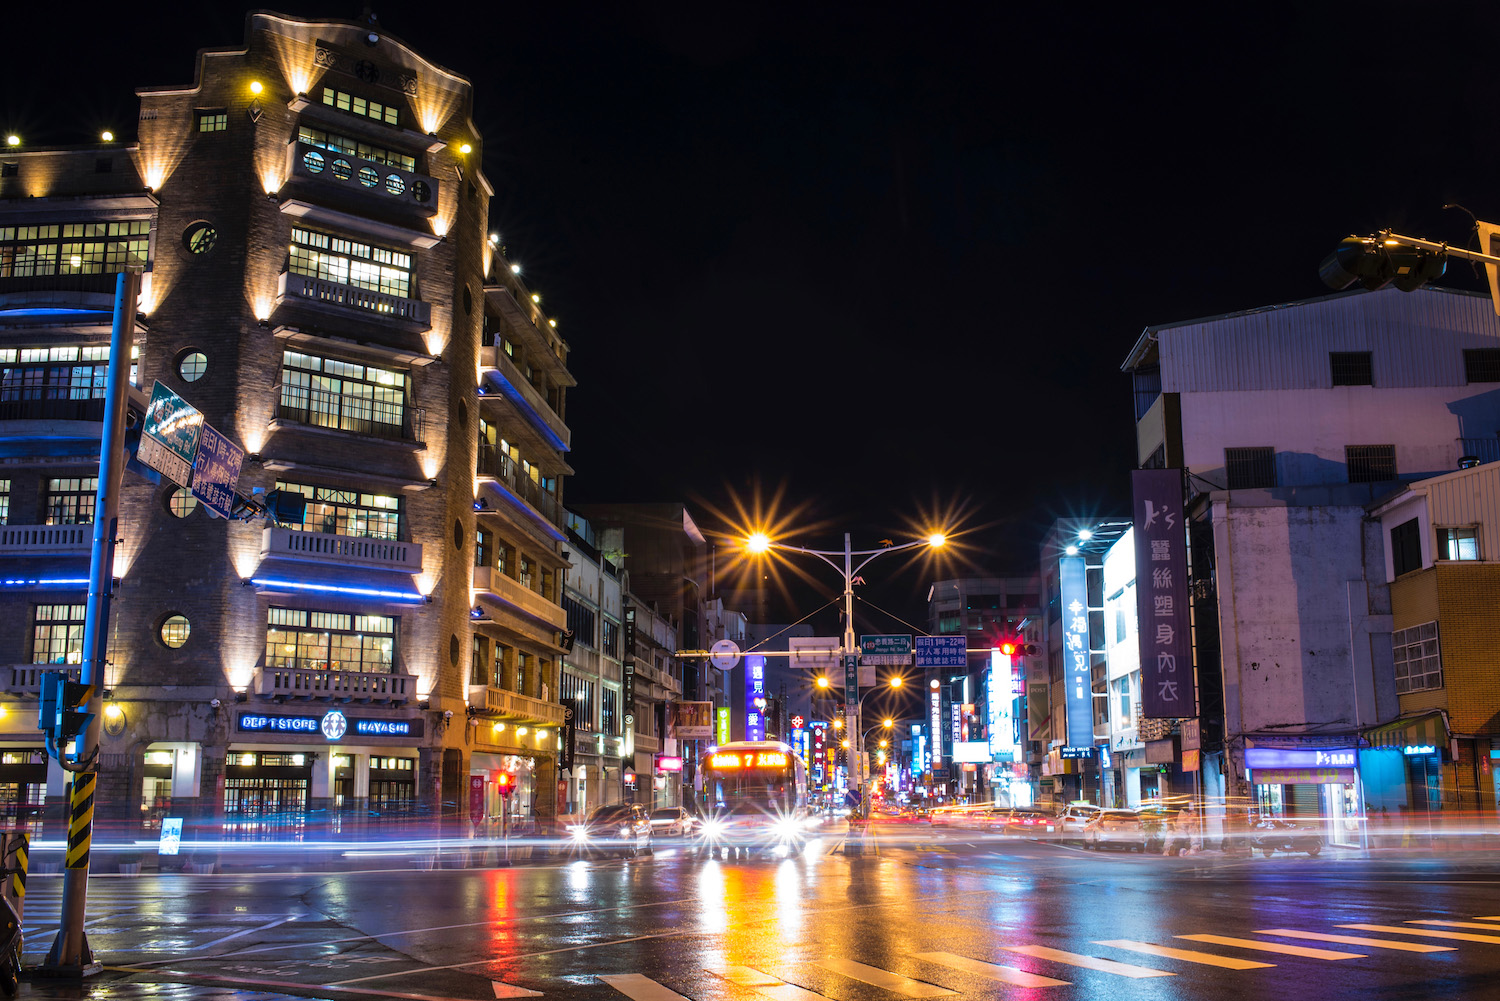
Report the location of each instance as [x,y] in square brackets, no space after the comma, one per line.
[1483,449]
[355,414]
[413,192]
[529,397]
[291,682]
[514,704]
[26,679]
[646,743]
[514,593]
[43,540]
[340,550]
[52,410]
[497,465]
[293,286]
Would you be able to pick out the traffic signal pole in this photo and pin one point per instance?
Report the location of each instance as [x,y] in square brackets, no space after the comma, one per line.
[70,954]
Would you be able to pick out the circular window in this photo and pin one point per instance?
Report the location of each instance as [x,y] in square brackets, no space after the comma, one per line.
[174,631]
[468,301]
[341,169]
[192,366]
[421,192]
[458,535]
[369,176]
[181,502]
[313,161]
[199,238]
[453,650]
[395,183]
[463,415]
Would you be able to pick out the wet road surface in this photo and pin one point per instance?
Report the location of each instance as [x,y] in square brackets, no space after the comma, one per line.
[921,913]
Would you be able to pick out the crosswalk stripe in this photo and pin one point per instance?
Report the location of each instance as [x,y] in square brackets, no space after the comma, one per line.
[1004,974]
[1459,936]
[639,988]
[1372,943]
[893,982]
[1087,962]
[1186,955]
[1454,924]
[1287,950]
[763,983]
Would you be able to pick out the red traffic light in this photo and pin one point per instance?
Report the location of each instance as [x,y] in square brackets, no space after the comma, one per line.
[1009,647]
[505,782]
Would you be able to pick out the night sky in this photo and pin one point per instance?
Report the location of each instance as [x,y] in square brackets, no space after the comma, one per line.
[883,259]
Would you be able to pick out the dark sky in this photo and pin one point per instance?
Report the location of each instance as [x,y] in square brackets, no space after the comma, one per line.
[887,258]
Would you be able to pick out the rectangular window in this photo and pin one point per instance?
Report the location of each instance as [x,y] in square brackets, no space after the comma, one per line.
[364,107]
[1250,468]
[330,393]
[1482,365]
[610,712]
[63,382]
[524,568]
[1418,664]
[582,694]
[479,661]
[611,638]
[353,147]
[57,634]
[73,248]
[302,640]
[332,511]
[4,502]
[523,672]
[10,169]
[1458,543]
[1370,463]
[212,119]
[1406,548]
[70,500]
[349,262]
[580,620]
[1351,368]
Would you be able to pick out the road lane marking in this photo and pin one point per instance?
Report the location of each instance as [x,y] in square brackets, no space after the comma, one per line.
[1186,955]
[893,982]
[247,931]
[302,986]
[1087,962]
[635,987]
[504,990]
[1454,924]
[1488,917]
[1372,943]
[1287,950]
[1004,974]
[764,983]
[1399,930]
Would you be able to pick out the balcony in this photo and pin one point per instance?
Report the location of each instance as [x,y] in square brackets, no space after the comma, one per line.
[340,550]
[307,290]
[320,408]
[26,679]
[515,594]
[517,706]
[52,410]
[648,745]
[363,182]
[496,465]
[46,540]
[322,683]
[524,397]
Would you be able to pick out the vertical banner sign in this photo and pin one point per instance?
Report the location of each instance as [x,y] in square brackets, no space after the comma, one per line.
[1038,712]
[947,724]
[851,681]
[721,725]
[476,798]
[935,715]
[1076,677]
[819,749]
[1002,709]
[1161,587]
[565,756]
[755,697]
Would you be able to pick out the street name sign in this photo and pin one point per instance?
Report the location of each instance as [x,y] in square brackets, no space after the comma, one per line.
[942,651]
[169,435]
[216,471]
[887,651]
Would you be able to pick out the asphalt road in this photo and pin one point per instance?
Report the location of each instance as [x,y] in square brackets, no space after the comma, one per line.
[921,913]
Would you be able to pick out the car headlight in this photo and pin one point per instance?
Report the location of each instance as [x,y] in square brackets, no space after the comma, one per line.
[712,828]
[580,833]
[786,829]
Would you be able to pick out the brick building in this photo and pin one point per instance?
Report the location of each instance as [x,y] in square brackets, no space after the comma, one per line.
[320,281]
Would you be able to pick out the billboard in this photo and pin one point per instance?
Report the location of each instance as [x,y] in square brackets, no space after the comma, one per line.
[1161,588]
[690,720]
[1077,678]
[1001,703]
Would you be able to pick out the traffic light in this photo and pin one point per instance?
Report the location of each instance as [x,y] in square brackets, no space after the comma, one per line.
[1015,646]
[63,707]
[505,782]
[1376,263]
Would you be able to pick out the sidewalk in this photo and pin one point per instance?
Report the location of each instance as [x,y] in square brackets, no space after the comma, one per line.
[118,986]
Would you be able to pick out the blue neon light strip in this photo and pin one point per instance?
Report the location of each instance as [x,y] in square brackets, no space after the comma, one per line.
[513,394]
[527,509]
[363,592]
[50,311]
[44,582]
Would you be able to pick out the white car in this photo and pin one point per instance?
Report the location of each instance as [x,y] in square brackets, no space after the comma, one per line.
[1073,820]
[671,821]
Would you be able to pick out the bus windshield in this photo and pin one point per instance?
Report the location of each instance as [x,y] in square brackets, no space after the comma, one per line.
[751,781]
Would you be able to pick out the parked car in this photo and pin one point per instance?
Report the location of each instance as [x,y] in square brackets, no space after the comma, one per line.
[1115,829]
[623,828]
[672,821]
[1030,823]
[1073,819]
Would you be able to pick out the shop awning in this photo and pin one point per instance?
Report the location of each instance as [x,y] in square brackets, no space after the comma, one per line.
[1429,729]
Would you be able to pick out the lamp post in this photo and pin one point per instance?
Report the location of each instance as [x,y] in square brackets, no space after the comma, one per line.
[759,543]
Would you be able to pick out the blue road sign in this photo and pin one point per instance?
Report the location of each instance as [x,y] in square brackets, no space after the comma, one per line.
[942,651]
[216,471]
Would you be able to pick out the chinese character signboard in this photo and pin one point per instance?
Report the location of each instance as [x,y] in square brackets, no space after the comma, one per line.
[169,435]
[1076,675]
[1161,588]
[216,471]
[942,651]
[935,714]
[755,697]
[1002,723]
[721,725]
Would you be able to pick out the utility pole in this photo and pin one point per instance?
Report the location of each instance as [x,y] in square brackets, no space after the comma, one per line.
[70,954]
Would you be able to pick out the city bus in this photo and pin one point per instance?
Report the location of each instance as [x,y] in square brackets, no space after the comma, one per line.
[755,794]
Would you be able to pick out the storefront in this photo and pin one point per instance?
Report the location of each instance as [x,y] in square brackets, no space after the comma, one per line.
[1404,767]
[520,808]
[23,788]
[1311,785]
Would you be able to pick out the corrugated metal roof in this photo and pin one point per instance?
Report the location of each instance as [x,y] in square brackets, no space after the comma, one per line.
[1468,497]
[1416,339]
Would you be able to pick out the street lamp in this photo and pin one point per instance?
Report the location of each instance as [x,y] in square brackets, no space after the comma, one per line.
[759,543]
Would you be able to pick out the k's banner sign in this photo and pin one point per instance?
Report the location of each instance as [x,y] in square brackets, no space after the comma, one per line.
[1161,588]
